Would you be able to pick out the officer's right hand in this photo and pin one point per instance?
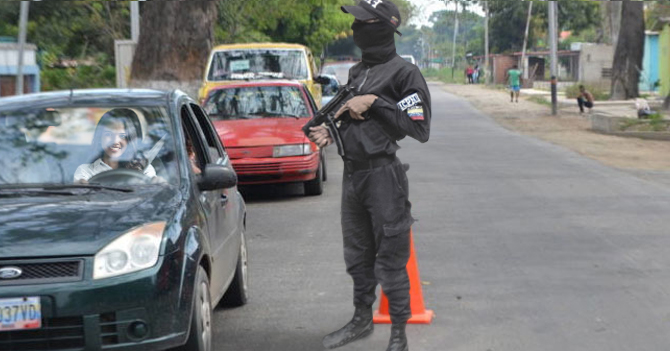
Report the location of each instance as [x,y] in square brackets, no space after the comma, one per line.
[320,136]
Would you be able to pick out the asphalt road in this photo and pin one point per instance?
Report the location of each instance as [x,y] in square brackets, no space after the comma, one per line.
[522,245]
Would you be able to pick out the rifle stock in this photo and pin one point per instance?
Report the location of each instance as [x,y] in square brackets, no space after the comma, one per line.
[326,116]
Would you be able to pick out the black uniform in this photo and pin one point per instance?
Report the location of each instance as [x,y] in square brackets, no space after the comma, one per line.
[376,212]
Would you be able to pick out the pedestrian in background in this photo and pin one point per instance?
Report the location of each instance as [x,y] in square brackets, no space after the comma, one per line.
[468,72]
[392,101]
[475,75]
[514,81]
[585,99]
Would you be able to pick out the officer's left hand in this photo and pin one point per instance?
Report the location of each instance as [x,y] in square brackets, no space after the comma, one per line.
[357,106]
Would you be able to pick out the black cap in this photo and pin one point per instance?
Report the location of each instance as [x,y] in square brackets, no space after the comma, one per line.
[384,10]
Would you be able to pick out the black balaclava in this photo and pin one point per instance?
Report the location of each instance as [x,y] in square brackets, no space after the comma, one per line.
[376,41]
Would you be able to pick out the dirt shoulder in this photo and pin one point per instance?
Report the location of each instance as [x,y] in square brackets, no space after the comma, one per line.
[569,129]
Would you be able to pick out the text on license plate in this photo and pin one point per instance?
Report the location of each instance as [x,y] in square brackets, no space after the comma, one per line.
[20,313]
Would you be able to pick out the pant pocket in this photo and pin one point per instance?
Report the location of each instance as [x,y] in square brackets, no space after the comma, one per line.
[395,248]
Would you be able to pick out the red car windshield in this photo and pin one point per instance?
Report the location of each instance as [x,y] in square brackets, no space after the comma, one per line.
[257,102]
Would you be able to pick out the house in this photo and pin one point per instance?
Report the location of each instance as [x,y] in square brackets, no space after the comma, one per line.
[9,59]
[650,64]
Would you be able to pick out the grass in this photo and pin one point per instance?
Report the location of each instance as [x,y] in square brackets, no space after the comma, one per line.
[444,75]
[539,100]
[655,123]
[572,92]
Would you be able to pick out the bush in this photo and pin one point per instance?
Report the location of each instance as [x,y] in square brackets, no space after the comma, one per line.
[444,75]
[572,92]
[82,77]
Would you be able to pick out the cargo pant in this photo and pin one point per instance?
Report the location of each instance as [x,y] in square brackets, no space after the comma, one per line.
[376,221]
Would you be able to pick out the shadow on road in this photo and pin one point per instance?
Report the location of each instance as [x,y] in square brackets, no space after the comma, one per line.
[271,192]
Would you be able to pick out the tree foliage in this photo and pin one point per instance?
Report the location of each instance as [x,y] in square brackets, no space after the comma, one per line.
[508,21]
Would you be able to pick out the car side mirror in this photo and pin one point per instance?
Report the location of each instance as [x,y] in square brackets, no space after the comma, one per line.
[322,80]
[217,177]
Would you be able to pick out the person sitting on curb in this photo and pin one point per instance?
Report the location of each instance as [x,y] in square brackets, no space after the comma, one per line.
[585,99]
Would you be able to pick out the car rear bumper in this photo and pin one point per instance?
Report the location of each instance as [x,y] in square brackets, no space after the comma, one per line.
[109,314]
[276,170]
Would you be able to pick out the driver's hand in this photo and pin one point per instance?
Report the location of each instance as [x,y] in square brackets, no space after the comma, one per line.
[137,163]
[158,180]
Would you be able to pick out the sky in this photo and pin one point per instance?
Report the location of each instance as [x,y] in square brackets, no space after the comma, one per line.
[426,7]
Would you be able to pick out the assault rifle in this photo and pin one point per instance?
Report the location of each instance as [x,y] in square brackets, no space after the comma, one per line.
[326,115]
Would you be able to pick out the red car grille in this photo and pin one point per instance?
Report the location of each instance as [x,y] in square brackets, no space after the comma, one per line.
[250,152]
[275,167]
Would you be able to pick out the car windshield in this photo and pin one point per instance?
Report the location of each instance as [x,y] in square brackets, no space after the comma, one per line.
[251,64]
[257,102]
[61,145]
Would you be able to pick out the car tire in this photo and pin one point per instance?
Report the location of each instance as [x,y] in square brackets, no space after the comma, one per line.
[200,334]
[325,169]
[238,291]
[315,186]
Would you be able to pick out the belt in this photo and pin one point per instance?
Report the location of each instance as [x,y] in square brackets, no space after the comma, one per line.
[351,166]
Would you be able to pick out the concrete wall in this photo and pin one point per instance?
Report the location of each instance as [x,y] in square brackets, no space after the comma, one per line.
[9,54]
[650,63]
[593,58]
[664,62]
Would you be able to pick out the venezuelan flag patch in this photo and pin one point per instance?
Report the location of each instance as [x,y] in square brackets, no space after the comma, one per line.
[416,113]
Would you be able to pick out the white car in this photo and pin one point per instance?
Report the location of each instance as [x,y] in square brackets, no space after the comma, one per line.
[409,58]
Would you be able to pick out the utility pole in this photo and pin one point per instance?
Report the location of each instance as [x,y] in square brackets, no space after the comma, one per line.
[23,22]
[487,74]
[135,21]
[524,68]
[553,40]
[453,49]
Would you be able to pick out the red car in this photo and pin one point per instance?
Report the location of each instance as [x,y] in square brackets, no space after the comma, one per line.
[260,123]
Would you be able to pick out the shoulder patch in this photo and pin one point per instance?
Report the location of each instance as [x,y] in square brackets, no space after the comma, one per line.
[416,113]
[409,101]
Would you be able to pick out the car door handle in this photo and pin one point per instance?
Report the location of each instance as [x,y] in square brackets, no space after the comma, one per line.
[224,200]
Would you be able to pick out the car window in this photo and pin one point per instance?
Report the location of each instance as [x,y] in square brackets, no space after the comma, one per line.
[213,142]
[196,136]
[247,64]
[251,102]
[53,145]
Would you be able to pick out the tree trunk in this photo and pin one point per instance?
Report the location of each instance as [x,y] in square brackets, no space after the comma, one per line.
[175,40]
[629,51]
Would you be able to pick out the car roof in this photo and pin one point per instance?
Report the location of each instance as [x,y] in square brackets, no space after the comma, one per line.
[89,96]
[259,45]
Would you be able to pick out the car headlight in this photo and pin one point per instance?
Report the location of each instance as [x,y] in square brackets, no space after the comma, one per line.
[292,150]
[131,252]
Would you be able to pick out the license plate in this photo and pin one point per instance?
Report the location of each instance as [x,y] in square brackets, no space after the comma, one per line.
[20,313]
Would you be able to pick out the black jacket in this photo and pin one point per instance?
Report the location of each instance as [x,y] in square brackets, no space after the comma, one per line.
[402,109]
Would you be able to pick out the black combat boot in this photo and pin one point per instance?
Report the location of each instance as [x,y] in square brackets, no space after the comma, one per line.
[398,341]
[359,327]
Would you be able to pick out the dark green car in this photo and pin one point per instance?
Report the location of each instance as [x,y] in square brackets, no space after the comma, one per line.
[121,226]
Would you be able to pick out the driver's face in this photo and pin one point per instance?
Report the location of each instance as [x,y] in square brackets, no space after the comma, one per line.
[114,140]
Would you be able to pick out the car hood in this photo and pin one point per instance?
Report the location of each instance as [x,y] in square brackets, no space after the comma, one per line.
[261,132]
[78,225]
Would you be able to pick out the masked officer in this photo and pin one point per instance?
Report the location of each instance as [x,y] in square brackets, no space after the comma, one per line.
[392,101]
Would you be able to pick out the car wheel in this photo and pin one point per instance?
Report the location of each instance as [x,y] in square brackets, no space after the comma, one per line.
[325,170]
[238,292]
[200,336]
[315,186]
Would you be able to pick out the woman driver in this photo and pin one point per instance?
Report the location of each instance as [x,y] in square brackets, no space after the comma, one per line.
[114,146]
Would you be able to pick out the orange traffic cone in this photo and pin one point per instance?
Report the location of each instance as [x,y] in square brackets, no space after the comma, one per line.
[420,315]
